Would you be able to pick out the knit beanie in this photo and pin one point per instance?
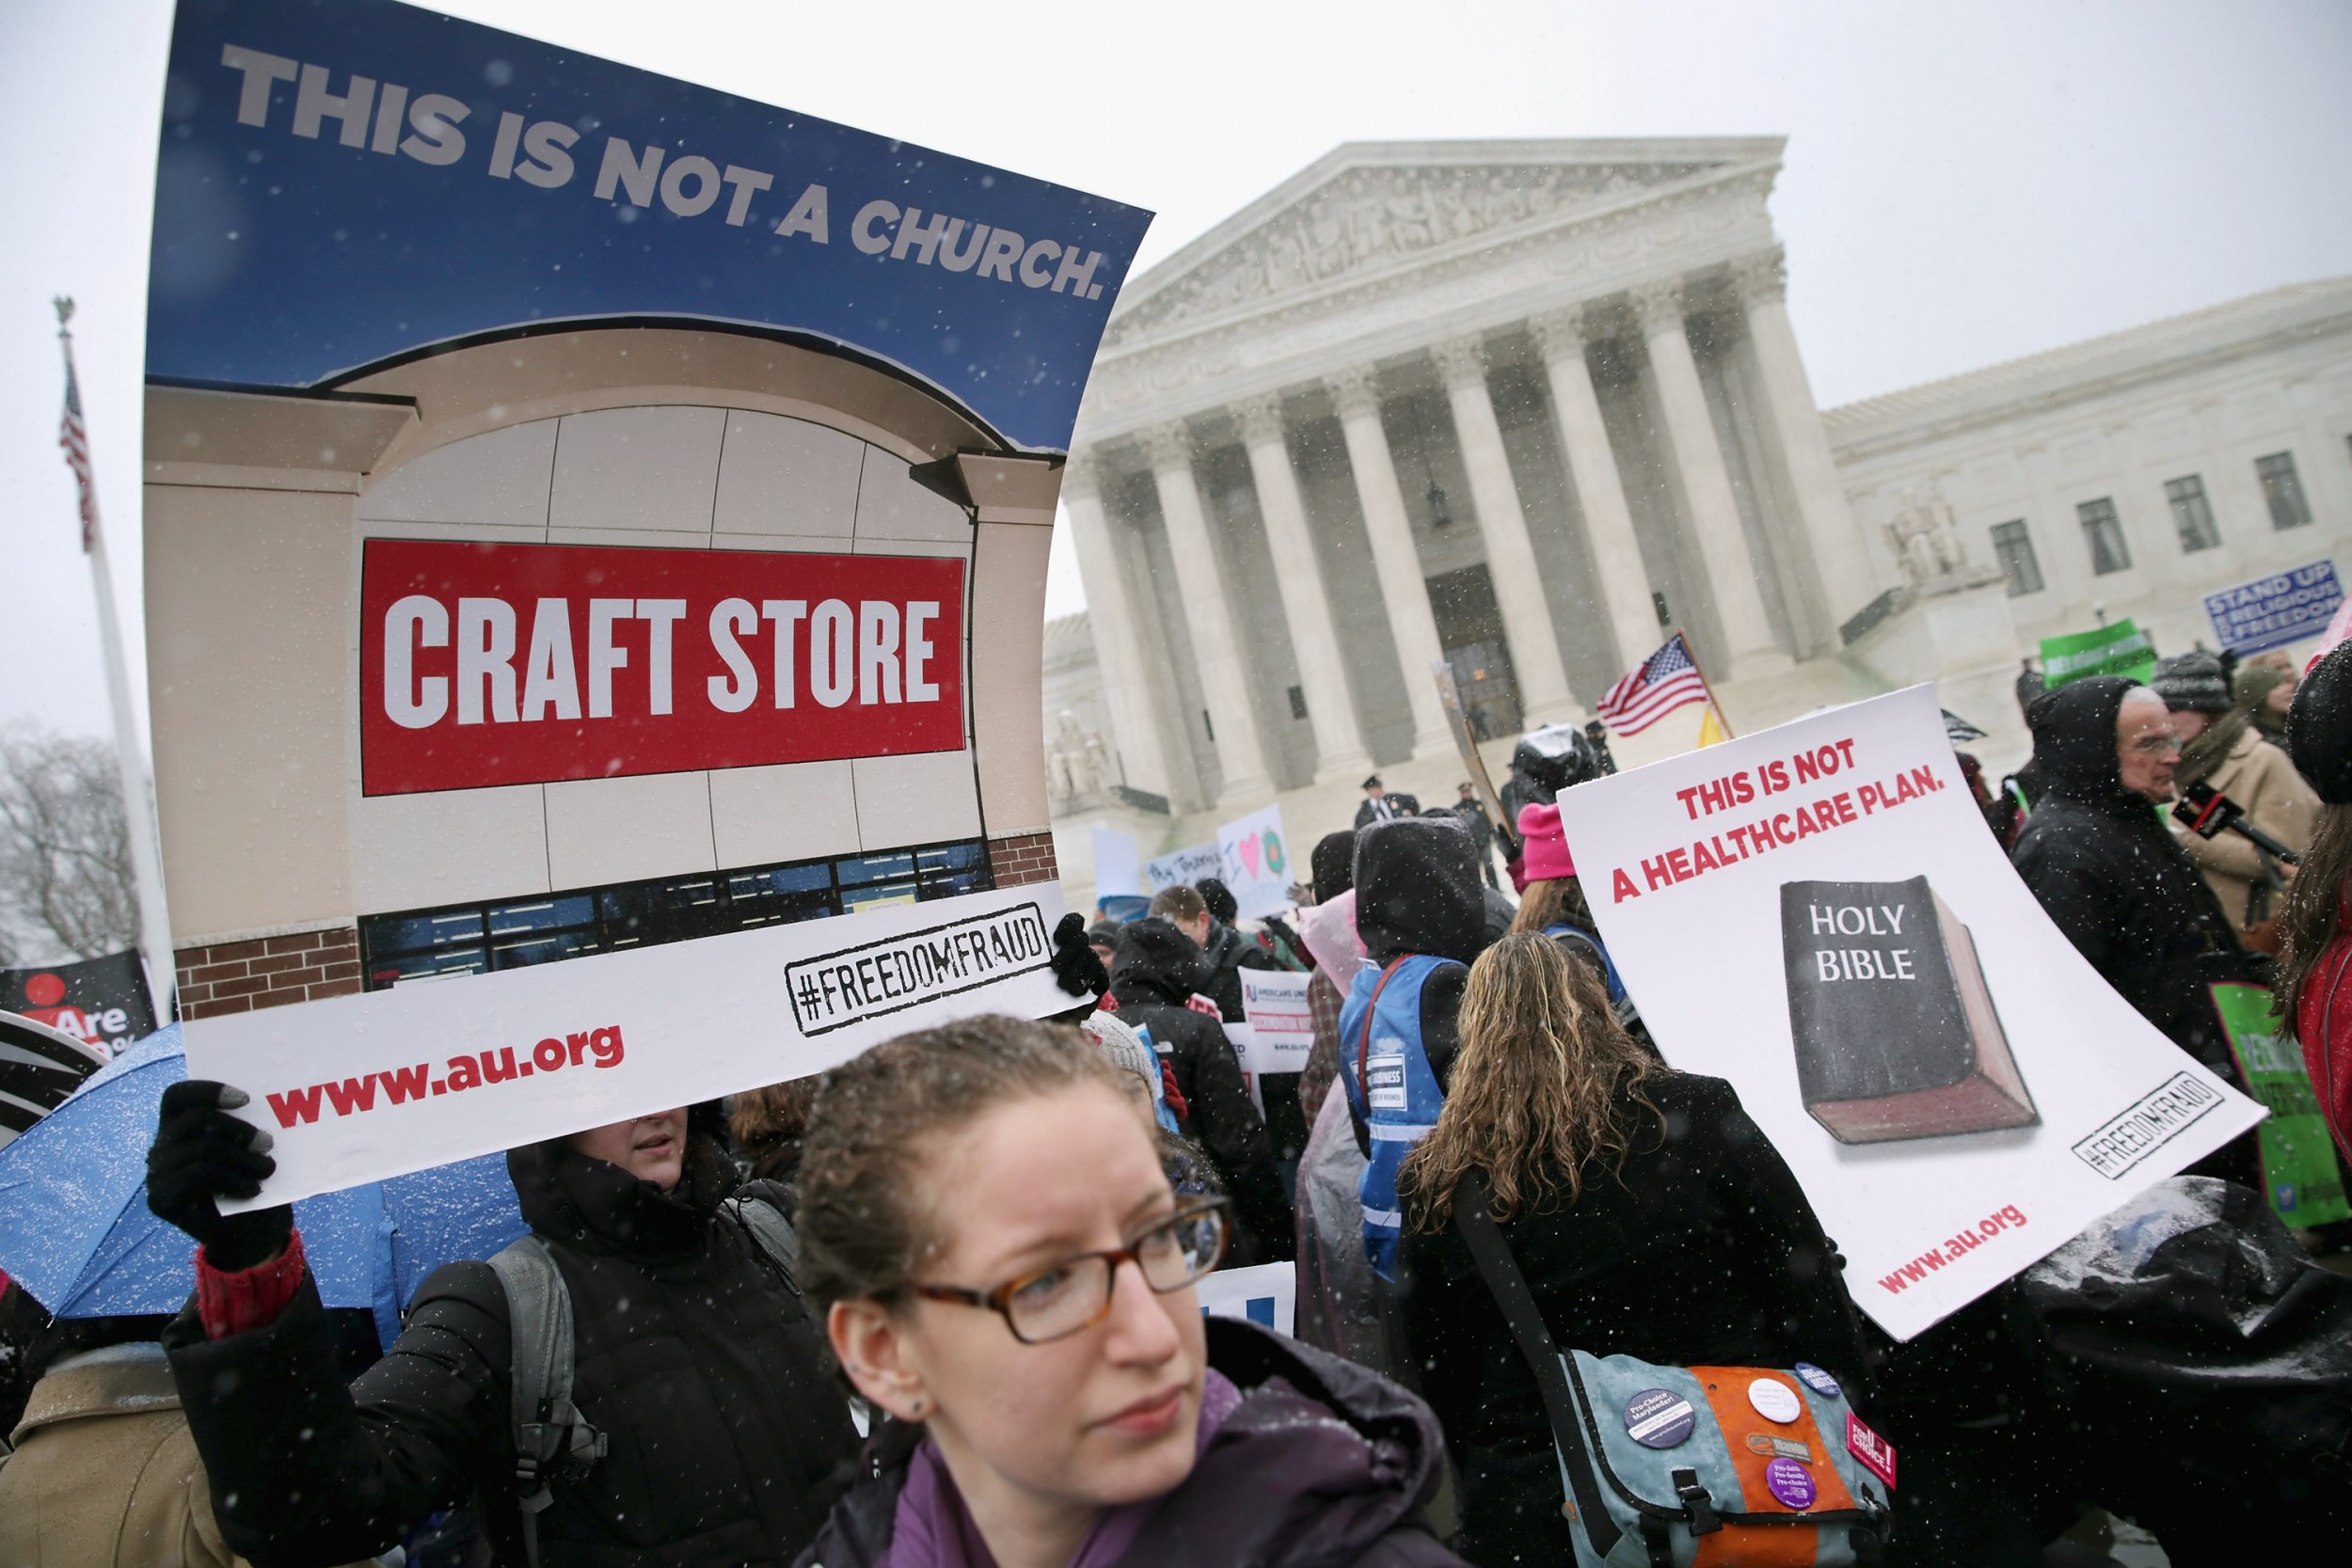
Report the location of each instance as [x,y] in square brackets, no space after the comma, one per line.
[1219,899]
[2255,682]
[2319,726]
[1548,858]
[2191,683]
[1123,1047]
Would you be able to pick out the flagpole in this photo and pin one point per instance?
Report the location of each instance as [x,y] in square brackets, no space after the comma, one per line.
[1693,654]
[138,810]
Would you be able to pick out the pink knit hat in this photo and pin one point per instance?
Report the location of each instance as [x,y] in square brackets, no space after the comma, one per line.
[1547,857]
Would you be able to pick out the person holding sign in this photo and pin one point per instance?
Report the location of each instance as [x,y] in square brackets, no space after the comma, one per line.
[1007,1278]
[714,1426]
[1650,1216]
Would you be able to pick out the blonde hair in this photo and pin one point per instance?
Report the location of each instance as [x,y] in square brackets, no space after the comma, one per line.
[1541,1085]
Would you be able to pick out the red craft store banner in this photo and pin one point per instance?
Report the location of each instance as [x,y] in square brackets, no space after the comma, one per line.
[503,664]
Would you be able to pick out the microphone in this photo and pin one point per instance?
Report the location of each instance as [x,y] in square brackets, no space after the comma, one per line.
[2205,811]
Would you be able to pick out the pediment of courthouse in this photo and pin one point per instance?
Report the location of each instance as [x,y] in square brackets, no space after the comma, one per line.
[1380,247]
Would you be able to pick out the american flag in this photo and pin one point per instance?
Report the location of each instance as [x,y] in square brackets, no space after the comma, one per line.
[1668,679]
[75,440]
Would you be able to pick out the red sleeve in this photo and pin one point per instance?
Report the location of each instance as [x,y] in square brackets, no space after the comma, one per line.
[2324,1025]
[248,1298]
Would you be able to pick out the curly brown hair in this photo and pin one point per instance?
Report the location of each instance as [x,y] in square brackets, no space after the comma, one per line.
[1552,901]
[2309,922]
[1543,1083]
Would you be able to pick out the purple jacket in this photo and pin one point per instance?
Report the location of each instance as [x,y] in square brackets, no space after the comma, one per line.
[1320,1464]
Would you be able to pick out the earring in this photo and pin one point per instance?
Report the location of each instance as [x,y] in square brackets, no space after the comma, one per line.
[916,1406]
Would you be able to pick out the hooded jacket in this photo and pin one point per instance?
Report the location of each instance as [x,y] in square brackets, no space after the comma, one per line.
[1156,970]
[2111,877]
[693,1355]
[1323,1464]
[1417,891]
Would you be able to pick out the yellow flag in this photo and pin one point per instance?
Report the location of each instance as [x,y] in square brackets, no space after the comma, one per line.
[1711,729]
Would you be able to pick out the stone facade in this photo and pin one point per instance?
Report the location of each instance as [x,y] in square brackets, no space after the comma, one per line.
[1524,407]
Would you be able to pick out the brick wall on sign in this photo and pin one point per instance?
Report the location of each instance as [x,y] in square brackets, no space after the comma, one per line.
[268,971]
[1022,858]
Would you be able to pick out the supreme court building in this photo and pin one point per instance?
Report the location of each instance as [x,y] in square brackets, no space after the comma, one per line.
[1524,407]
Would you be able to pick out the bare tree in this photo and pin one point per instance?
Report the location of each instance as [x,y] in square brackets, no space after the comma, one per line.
[65,853]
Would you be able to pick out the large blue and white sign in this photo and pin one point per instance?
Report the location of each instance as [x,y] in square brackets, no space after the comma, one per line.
[2272,611]
[344,183]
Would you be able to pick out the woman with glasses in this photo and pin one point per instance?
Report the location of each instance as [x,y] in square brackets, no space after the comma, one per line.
[1008,1277]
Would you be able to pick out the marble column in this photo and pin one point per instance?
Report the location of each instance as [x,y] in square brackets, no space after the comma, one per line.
[1706,483]
[1840,555]
[1339,753]
[1217,649]
[1519,584]
[1404,591]
[1137,724]
[1623,579]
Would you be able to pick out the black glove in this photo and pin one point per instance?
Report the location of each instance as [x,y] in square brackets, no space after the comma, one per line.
[201,1154]
[1077,968]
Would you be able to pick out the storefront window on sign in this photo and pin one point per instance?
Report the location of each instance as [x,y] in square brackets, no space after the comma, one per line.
[474,939]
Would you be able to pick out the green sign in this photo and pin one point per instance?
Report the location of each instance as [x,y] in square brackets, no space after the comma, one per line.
[2121,649]
[2298,1157]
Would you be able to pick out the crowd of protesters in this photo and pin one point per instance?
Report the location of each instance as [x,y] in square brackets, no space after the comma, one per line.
[937,1310]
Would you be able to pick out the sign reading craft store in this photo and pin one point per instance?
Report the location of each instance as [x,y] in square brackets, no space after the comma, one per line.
[596,527]
[500,664]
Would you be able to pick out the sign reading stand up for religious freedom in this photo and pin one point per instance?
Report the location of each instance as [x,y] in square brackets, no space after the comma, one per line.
[573,496]
[1957,1090]
[2272,611]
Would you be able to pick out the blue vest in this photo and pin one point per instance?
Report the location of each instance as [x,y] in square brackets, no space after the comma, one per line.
[1391,1086]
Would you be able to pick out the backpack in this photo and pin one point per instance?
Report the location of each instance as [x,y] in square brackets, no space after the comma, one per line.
[1654,1460]
[551,1437]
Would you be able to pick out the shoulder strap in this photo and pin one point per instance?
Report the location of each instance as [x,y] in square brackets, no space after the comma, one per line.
[769,1231]
[1501,1270]
[548,1429]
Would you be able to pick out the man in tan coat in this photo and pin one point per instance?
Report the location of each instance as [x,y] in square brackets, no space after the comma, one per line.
[105,1474]
[2221,748]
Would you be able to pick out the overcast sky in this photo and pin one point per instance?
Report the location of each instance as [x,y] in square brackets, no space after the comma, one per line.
[1964,184]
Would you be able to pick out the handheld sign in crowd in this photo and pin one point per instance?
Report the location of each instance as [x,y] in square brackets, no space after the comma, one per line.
[595,536]
[1184,867]
[2118,649]
[2272,611]
[1257,862]
[1957,1090]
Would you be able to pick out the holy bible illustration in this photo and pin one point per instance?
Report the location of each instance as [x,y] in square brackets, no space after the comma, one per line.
[1896,1033]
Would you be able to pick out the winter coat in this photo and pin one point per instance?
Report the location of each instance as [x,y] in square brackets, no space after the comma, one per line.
[1323,1465]
[2257,776]
[1417,891]
[1232,950]
[1703,1251]
[2110,876]
[105,1473]
[1156,969]
[693,1356]
[2324,1026]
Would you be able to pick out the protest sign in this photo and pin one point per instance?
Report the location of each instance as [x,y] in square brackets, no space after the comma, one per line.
[101,1002]
[2300,1172]
[2120,649]
[1816,915]
[594,545]
[1184,867]
[1264,1293]
[1117,872]
[2272,611]
[362,1087]
[1257,865]
[1273,1004]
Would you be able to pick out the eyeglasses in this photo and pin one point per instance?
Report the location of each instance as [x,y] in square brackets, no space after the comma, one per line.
[1062,1298]
[2155,745]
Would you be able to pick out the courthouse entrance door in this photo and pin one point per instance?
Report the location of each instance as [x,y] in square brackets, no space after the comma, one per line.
[1470,628]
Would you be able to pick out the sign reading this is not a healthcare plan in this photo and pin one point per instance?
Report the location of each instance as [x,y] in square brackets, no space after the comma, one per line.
[1958,1091]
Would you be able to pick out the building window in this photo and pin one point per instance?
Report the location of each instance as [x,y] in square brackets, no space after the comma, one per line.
[2103,531]
[475,938]
[2192,514]
[1298,702]
[2283,490]
[2013,547]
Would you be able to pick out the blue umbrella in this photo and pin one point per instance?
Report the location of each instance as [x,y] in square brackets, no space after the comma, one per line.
[76,1233]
